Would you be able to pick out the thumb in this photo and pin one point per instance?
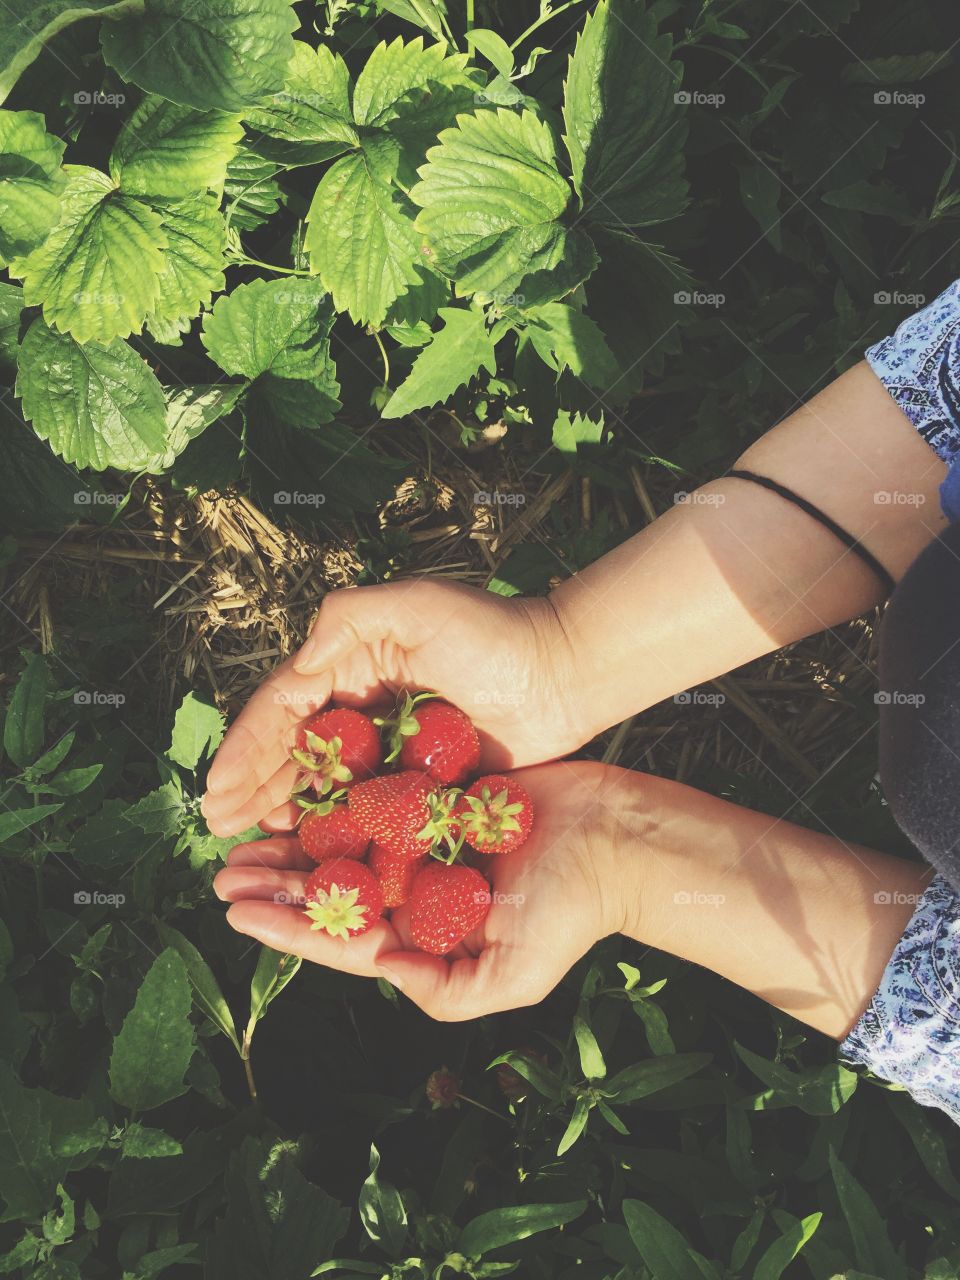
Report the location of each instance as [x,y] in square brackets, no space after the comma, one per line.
[361,615]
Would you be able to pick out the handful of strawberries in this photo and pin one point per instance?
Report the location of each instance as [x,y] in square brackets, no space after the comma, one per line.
[384,836]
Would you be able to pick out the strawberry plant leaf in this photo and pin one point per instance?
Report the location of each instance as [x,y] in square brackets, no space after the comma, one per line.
[500,1227]
[30,24]
[23,726]
[276,333]
[31,181]
[98,405]
[624,130]
[491,198]
[663,1249]
[153,1048]
[11,310]
[251,192]
[416,90]
[567,338]
[224,54]
[312,114]
[206,989]
[165,149]
[97,274]
[193,265]
[457,353]
[360,234]
[190,410]
[198,730]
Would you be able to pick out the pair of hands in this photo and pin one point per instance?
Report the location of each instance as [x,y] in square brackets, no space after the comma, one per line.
[507,664]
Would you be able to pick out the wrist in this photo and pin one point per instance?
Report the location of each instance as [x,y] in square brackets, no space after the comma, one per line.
[559,673]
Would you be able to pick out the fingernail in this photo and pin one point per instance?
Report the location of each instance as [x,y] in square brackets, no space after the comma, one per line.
[306,662]
[394,979]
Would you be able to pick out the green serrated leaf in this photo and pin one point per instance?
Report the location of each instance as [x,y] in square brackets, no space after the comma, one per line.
[153,1048]
[567,338]
[251,192]
[222,54]
[97,274]
[360,236]
[31,181]
[198,730]
[190,410]
[98,406]
[419,89]
[312,113]
[193,265]
[457,353]
[491,198]
[624,130]
[165,149]
[11,309]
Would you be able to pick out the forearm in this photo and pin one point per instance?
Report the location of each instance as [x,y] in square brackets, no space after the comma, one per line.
[803,920]
[737,571]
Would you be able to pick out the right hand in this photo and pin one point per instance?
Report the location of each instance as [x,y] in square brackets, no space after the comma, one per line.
[505,662]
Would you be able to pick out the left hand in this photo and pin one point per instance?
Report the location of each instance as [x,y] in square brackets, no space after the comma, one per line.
[552,900]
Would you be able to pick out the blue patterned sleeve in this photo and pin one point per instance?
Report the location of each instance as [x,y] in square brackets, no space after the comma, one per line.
[920,367]
[909,1033]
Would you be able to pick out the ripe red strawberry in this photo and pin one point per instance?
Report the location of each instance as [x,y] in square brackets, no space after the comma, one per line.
[396,873]
[446,903]
[497,814]
[343,897]
[433,736]
[405,813]
[328,831]
[337,747]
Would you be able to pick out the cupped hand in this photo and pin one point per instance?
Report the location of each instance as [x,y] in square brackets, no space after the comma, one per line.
[505,662]
[552,899]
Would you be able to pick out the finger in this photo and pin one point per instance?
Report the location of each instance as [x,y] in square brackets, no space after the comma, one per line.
[259,740]
[284,818]
[230,813]
[360,615]
[279,854]
[288,930]
[267,884]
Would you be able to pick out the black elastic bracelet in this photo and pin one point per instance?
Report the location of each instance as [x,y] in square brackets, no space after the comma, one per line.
[837,530]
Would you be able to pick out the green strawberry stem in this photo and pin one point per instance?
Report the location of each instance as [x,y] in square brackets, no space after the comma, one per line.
[402,724]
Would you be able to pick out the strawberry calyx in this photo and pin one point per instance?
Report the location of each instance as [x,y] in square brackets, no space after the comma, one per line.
[488,818]
[403,723]
[338,912]
[444,827]
[323,762]
[321,807]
